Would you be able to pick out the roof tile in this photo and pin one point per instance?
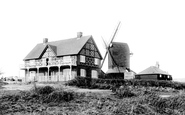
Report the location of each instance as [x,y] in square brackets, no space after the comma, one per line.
[62,47]
[152,70]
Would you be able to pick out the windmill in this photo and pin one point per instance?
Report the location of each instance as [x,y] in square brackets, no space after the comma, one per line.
[118,57]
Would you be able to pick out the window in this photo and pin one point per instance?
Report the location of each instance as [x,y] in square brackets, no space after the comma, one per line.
[82,72]
[96,61]
[82,59]
[94,74]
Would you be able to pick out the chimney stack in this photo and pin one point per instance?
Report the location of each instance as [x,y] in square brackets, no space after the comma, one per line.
[157,64]
[79,34]
[45,40]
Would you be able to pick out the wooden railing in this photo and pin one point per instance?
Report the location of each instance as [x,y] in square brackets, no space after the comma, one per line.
[49,63]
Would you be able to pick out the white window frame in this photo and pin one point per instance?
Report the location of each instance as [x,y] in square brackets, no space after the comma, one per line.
[96,61]
[82,58]
[82,72]
[94,74]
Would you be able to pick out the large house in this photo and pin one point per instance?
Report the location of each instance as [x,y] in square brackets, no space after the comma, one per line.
[63,60]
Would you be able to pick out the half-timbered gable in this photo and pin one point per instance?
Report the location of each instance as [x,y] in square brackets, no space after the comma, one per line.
[89,59]
[90,49]
[89,54]
[48,53]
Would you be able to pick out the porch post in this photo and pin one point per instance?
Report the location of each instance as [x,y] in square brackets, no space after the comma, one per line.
[58,73]
[25,74]
[70,72]
[70,69]
[28,74]
[48,75]
[37,74]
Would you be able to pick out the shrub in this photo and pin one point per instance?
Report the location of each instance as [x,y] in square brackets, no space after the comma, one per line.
[59,96]
[85,82]
[124,91]
[45,90]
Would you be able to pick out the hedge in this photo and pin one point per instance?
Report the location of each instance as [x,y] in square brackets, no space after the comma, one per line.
[84,82]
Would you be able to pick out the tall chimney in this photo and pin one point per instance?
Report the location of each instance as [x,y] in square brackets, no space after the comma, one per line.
[79,34]
[45,40]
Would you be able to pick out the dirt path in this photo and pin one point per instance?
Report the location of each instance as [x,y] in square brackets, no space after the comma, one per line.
[19,86]
[23,87]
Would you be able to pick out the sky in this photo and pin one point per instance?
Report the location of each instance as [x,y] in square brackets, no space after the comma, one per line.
[153,29]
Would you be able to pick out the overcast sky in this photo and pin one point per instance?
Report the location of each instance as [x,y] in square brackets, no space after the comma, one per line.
[154,29]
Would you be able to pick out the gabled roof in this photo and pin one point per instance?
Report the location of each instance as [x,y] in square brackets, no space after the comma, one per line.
[152,70]
[62,47]
[53,48]
[36,51]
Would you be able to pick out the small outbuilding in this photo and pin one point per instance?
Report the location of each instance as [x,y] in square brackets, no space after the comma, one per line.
[154,73]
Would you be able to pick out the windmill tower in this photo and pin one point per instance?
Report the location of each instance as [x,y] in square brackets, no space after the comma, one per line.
[118,59]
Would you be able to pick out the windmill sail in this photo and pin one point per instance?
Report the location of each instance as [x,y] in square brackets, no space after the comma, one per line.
[108,46]
[111,56]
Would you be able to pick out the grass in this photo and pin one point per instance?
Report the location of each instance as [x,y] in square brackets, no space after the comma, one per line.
[2,83]
[125,100]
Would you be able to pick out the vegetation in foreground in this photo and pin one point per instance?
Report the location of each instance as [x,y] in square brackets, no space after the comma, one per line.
[84,82]
[2,83]
[124,101]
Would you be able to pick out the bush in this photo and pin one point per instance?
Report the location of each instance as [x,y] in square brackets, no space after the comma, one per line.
[44,90]
[45,94]
[59,96]
[84,82]
[124,91]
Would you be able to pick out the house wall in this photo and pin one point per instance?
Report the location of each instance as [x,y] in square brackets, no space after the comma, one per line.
[92,60]
[91,70]
[89,66]
[154,77]
[164,77]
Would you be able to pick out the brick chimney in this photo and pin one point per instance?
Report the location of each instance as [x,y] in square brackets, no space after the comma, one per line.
[45,40]
[79,34]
